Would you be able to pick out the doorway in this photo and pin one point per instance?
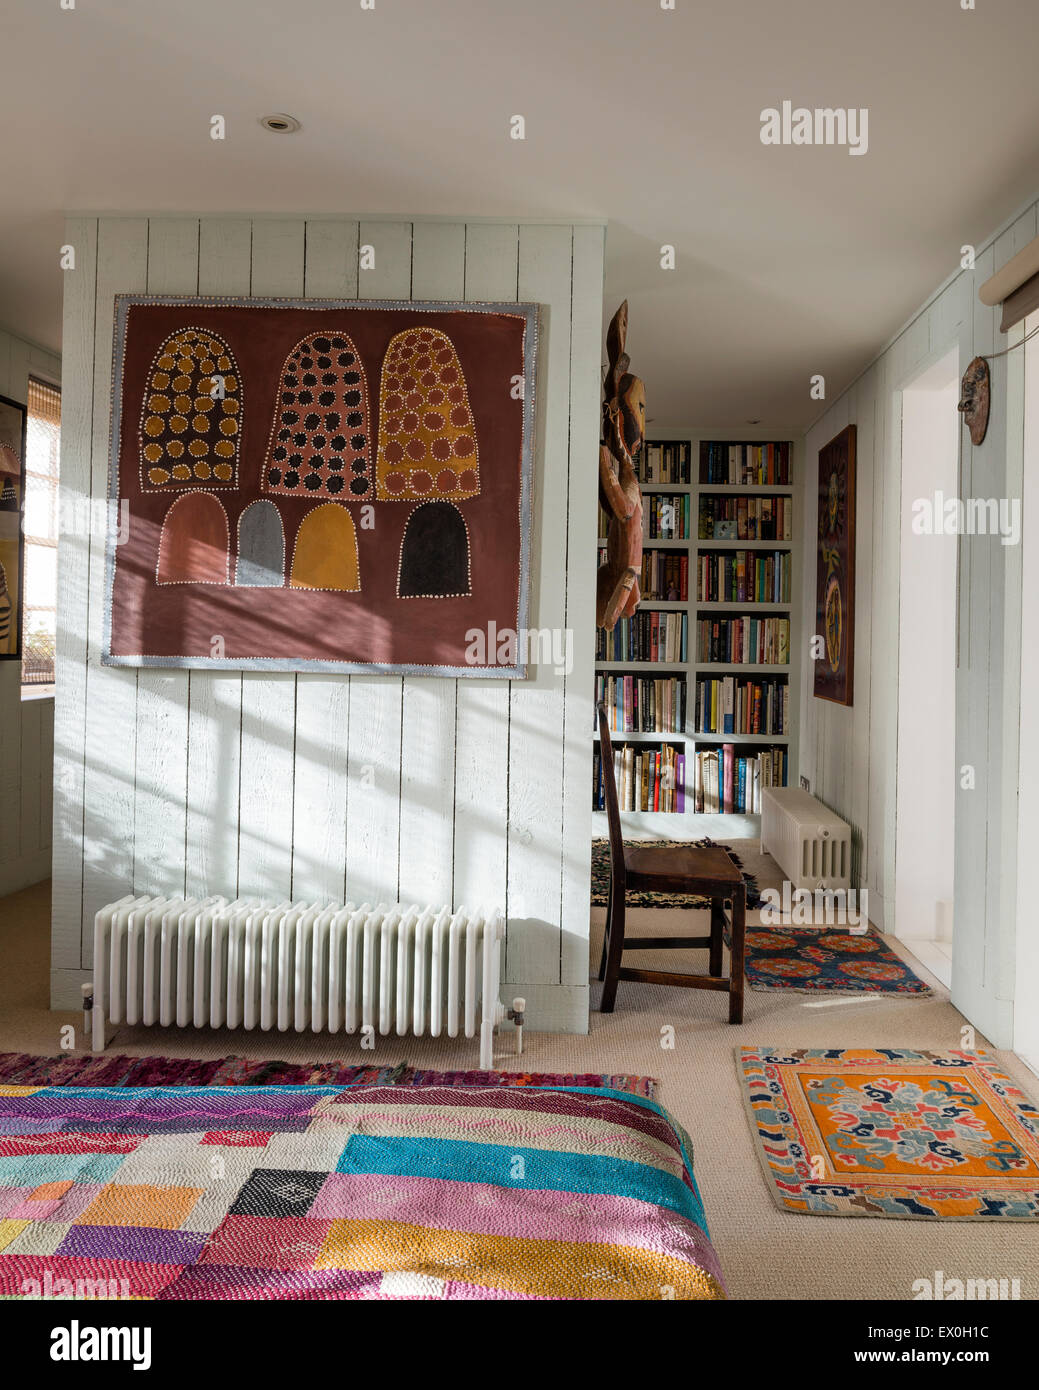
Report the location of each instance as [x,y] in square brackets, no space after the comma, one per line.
[925,794]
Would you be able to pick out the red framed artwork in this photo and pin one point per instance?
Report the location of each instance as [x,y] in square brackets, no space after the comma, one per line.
[321,485]
[835,571]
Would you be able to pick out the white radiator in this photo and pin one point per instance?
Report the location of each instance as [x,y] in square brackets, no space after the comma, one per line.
[304,966]
[809,843]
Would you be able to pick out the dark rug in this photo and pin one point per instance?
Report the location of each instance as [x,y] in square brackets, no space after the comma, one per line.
[817,960]
[24,1069]
[601,876]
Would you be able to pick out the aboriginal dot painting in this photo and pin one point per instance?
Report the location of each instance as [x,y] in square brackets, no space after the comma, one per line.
[319,443]
[193,546]
[326,551]
[434,554]
[261,546]
[361,508]
[191,413]
[427,435]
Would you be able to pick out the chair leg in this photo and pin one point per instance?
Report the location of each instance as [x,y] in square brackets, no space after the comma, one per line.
[717,931]
[606,932]
[613,957]
[736,955]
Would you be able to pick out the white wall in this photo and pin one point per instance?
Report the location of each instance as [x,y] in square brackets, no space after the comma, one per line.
[26,726]
[1026,1014]
[925,821]
[194,782]
[850,754]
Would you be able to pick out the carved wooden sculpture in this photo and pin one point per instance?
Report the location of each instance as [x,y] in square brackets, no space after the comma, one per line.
[624,429]
[974,399]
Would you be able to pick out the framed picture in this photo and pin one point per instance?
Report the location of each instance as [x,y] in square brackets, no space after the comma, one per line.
[321,485]
[835,571]
[12,509]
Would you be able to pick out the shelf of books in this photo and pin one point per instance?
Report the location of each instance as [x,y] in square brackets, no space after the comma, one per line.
[700,686]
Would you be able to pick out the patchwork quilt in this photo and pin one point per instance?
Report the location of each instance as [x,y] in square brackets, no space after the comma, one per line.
[364,1192]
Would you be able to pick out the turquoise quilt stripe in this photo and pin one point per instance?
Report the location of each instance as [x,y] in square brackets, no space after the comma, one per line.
[31,1170]
[547,1169]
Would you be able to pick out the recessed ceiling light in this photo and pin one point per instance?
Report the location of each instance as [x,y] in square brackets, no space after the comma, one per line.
[281,124]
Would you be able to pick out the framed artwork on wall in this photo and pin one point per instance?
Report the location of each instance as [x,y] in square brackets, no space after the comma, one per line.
[12,509]
[835,570]
[321,485]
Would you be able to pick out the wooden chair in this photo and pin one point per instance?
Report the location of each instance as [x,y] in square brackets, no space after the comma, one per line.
[709,873]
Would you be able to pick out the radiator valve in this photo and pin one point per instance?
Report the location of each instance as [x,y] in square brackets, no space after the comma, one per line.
[87,991]
[517,1015]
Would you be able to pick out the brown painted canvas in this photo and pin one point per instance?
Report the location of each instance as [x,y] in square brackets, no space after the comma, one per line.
[835,570]
[12,508]
[321,484]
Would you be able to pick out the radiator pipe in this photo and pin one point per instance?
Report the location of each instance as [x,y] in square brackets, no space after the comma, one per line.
[517,1015]
[87,991]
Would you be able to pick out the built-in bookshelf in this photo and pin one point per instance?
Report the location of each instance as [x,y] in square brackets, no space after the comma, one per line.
[700,684]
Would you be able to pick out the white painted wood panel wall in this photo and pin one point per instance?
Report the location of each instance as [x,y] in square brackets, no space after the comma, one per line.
[26,726]
[311,786]
[850,754]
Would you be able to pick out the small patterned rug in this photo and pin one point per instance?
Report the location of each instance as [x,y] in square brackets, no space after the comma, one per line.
[891,1132]
[813,960]
[104,1069]
[601,876]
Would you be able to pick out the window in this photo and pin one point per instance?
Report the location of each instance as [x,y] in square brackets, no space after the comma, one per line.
[42,447]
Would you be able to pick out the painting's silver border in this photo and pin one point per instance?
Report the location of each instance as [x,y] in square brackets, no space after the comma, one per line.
[528,312]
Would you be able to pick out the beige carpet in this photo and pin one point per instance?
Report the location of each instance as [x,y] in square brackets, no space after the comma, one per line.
[765,1253]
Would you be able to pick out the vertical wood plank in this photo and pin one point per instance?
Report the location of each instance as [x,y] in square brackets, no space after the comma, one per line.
[77,405]
[28,809]
[323,702]
[46,772]
[427,791]
[374,752]
[111,692]
[161,773]
[579,615]
[269,702]
[482,735]
[968,961]
[857,768]
[533,942]
[215,697]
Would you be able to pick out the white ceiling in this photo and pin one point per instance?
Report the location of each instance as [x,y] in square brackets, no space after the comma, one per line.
[790,260]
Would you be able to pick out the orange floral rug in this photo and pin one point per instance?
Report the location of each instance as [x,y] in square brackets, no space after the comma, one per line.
[892,1132]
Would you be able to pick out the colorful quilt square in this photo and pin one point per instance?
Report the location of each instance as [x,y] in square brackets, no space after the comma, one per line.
[139,1243]
[32,1170]
[66,1276]
[239,1138]
[232,1282]
[126,1204]
[73,1202]
[285,1242]
[10,1228]
[278,1192]
[39,1238]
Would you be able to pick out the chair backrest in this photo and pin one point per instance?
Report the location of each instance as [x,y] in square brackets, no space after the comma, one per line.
[613,815]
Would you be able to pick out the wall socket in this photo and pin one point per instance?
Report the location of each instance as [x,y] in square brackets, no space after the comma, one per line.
[806,786]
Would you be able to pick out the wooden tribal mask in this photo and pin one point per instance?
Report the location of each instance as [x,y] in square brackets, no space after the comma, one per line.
[191,414]
[975,394]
